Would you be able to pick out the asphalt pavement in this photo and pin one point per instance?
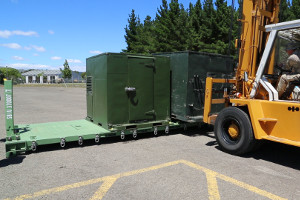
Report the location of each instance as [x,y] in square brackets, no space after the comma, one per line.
[181,165]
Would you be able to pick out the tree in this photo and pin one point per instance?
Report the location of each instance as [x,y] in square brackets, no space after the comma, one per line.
[66,72]
[162,30]
[170,27]
[285,13]
[10,73]
[223,27]
[295,9]
[131,31]
[145,39]
[83,75]
[203,27]
[195,21]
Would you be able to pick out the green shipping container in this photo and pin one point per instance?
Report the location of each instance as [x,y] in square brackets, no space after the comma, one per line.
[124,91]
[189,71]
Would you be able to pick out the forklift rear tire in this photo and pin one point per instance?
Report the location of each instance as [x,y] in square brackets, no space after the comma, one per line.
[233,131]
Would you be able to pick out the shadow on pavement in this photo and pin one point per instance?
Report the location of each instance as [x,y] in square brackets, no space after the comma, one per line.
[11,161]
[281,154]
[285,155]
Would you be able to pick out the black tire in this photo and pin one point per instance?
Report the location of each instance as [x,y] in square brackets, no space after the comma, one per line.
[241,143]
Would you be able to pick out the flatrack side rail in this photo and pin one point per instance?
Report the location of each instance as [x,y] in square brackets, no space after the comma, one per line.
[207,117]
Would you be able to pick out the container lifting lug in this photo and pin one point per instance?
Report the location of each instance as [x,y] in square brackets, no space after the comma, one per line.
[33,146]
[134,134]
[80,140]
[167,130]
[122,135]
[97,138]
[62,142]
[155,131]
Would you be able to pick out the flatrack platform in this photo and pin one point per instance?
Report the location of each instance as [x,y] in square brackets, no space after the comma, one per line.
[29,136]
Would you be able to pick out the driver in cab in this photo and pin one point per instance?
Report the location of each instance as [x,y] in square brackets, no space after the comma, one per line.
[293,67]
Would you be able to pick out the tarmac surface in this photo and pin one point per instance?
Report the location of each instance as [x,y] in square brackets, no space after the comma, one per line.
[181,165]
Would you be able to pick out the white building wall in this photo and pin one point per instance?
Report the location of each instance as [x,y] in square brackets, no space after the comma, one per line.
[34,79]
[26,79]
[41,79]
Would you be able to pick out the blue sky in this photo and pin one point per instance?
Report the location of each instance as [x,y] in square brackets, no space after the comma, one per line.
[41,34]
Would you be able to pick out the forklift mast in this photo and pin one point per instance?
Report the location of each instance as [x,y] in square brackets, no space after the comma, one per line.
[256,15]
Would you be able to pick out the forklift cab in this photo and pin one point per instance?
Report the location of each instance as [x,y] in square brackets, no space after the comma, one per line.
[275,67]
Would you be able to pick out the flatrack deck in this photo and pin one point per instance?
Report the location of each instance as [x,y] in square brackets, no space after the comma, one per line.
[29,136]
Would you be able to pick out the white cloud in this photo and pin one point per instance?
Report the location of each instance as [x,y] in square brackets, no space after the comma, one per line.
[18,58]
[51,32]
[29,66]
[27,48]
[7,33]
[41,66]
[17,46]
[12,45]
[55,58]
[74,61]
[95,52]
[37,48]
[35,54]
[78,68]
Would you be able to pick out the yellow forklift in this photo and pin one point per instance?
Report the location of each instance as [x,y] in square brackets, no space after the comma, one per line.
[254,111]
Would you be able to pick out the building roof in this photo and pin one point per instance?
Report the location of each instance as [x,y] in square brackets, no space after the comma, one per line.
[44,72]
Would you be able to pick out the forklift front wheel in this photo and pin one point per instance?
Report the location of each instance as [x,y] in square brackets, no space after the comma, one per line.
[233,131]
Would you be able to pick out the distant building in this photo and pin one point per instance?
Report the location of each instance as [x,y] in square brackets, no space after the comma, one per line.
[42,76]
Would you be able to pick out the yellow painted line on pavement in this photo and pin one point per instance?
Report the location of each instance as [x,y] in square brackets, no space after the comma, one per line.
[212,186]
[93,181]
[104,188]
[234,181]
[108,181]
[60,189]
[250,187]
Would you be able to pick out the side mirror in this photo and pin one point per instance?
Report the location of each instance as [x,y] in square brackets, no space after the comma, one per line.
[245,76]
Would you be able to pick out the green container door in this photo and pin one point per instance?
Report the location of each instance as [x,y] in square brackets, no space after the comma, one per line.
[128,91]
[140,89]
